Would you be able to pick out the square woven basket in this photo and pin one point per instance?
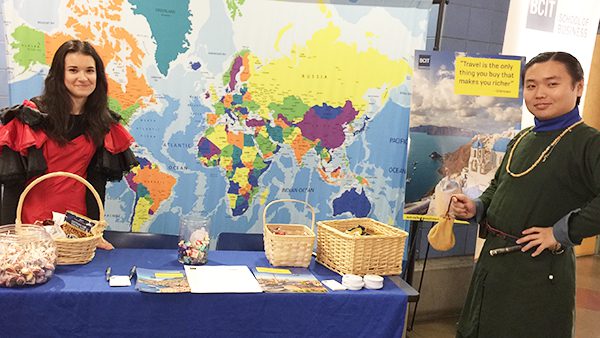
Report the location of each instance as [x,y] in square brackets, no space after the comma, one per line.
[295,247]
[379,253]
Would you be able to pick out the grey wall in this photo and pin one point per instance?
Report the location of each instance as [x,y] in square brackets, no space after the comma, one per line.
[475,26]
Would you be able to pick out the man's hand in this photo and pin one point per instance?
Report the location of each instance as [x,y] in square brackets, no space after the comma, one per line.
[462,207]
[543,238]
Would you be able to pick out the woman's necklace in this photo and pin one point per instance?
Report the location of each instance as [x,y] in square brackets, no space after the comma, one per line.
[543,156]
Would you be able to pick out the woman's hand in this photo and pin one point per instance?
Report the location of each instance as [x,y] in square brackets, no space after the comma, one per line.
[462,207]
[104,244]
[543,238]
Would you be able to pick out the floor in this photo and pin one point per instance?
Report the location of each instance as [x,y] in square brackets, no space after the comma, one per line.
[587,323]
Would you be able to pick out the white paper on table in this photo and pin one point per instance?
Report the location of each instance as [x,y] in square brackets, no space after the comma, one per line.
[221,279]
[119,281]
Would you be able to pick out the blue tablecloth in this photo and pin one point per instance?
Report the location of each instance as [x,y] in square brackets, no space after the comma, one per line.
[77,301]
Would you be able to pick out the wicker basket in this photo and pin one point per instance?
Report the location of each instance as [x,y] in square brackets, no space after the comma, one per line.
[71,250]
[379,253]
[295,247]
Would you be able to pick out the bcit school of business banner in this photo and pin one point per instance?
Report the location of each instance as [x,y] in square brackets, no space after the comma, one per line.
[535,26]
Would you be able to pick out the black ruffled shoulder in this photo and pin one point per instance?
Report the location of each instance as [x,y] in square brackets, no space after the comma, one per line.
[26,114]
[15,167]
[112,166]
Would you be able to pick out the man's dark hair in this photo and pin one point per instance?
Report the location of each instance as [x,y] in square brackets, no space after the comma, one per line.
[571,63]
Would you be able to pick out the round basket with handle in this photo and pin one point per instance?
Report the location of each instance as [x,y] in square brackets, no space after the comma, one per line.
[71,250]
[288,244]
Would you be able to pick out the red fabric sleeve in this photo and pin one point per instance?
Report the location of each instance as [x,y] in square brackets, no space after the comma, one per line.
[118,139]
[30,104]
[19,136]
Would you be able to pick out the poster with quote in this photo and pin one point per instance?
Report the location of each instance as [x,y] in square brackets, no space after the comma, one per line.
[465,109]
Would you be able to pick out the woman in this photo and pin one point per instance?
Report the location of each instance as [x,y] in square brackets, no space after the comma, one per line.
[545,197]
[67,128]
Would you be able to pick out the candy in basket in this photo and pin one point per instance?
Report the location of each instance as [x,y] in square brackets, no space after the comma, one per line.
[72,250]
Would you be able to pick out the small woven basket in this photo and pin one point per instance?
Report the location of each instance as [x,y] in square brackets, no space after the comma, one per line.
[71,250]
[379,253]
[295,247]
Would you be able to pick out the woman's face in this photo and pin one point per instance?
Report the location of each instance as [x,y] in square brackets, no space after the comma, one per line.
[80,75]
[549,90]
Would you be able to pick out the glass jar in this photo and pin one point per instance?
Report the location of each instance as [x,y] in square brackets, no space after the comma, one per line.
[194,240]
[27,255]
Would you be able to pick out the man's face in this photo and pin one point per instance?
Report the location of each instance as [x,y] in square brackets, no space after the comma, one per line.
[549,90]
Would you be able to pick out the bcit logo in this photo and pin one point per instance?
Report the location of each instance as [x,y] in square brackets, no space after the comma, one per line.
[424,61]
[541,14]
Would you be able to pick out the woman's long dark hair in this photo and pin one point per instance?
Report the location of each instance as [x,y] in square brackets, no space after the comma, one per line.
[57,103]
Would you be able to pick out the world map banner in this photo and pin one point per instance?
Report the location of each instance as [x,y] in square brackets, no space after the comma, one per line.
[237,103]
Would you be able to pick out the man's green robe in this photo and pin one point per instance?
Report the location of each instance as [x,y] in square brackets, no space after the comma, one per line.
[516,295]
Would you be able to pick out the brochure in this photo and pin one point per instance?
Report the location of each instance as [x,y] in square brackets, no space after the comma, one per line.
[221,279]
[287,280]
[161,281]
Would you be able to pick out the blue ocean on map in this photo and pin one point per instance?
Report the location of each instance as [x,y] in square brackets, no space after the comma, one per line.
[22,90]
